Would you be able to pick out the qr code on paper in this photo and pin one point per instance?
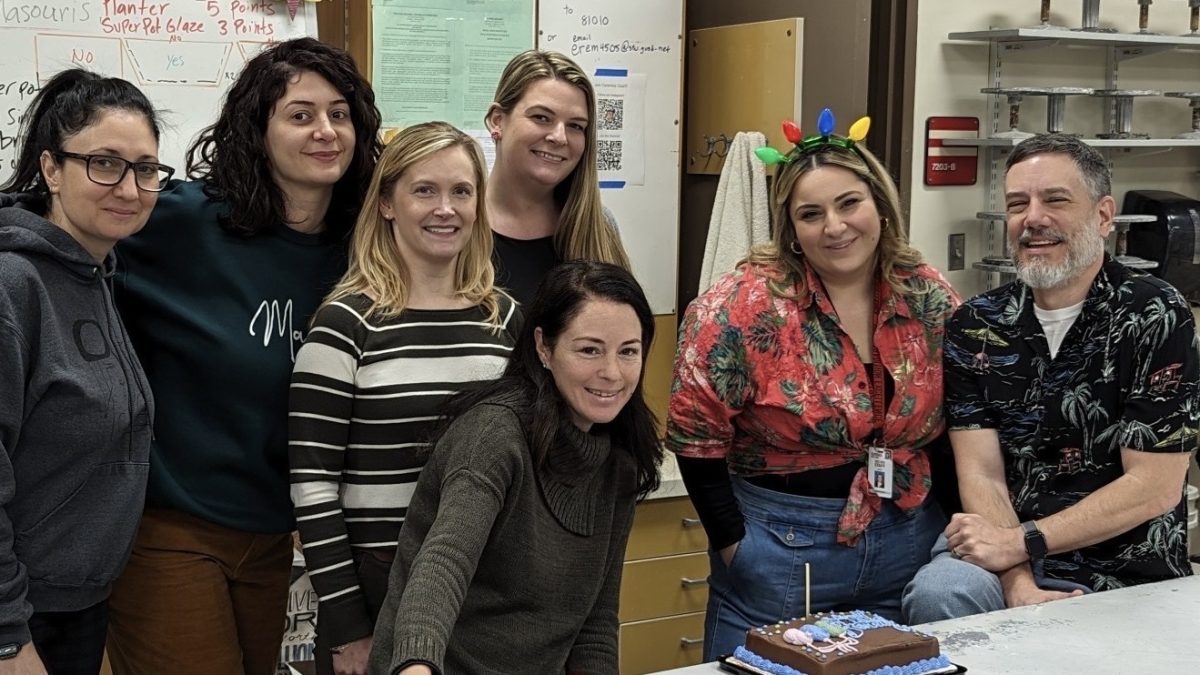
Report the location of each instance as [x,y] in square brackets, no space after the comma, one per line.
[612,114]
[608,155]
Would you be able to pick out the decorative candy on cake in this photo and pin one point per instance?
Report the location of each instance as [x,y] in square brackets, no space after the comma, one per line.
[841,643]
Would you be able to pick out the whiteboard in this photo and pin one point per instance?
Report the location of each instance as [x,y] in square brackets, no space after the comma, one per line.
[633,51]
[184,54]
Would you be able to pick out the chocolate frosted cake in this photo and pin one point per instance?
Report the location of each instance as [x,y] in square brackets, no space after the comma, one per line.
[840,643]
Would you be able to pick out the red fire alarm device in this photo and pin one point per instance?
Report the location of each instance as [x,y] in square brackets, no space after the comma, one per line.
[947,163]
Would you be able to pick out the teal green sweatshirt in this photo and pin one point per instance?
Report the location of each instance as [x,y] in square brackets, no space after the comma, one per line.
[216,320]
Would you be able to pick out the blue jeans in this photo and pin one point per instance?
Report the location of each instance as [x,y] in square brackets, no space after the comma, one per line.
[765,580]
[948,588]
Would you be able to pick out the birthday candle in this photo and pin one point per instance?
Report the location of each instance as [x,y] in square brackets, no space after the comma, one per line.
[807,584]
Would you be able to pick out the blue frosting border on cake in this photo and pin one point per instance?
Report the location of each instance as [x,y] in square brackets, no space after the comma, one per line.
[855,621]
[915,668]
[750,658]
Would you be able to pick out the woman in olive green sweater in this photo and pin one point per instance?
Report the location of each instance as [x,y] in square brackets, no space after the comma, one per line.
[510,557]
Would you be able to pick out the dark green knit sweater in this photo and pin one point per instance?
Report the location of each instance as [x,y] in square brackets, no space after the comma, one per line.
[504,568]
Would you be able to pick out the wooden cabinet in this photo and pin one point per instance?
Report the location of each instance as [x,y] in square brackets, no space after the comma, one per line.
[664,588]
[662,644]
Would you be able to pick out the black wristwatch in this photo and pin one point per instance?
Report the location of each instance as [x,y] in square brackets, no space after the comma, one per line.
[1035,542]
[10,650]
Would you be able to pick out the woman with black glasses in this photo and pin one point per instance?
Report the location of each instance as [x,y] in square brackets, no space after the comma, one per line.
[75,408]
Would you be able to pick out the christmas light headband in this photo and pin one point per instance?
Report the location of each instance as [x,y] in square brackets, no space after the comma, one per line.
[825,136]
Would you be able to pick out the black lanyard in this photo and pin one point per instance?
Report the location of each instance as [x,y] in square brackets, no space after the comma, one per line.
[878,404]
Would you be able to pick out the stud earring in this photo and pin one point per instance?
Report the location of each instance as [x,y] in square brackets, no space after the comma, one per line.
[495,136]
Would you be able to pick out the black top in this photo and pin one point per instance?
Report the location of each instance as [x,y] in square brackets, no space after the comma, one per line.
[521,264]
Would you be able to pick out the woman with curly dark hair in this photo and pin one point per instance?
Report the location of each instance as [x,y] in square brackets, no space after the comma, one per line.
[217,291]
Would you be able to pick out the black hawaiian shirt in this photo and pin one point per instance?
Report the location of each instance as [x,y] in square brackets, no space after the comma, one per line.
[1126,376]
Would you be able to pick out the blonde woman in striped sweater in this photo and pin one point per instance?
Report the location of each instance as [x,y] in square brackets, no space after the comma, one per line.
[416,319]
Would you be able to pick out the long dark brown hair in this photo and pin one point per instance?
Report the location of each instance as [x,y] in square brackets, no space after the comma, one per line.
[561,297]
[231,156]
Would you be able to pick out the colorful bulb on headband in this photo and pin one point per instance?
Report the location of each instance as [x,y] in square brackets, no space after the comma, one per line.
[858,130]
[768,155]
[791,132]
[825,122]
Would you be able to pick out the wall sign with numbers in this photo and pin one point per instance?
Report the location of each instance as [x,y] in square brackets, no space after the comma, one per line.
[950,164]
[633,52]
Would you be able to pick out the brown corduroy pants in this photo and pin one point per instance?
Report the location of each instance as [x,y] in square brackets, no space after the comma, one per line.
[199,598]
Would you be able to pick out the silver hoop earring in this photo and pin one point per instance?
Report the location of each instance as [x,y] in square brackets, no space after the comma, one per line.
[795,250]
[883,223]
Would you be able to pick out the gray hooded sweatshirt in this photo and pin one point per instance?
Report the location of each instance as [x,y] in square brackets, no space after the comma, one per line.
[75,424]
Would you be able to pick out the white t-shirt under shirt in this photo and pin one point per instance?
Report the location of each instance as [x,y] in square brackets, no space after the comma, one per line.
[1056,323]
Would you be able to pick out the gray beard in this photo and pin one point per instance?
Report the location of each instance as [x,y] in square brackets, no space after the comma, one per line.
[1083,249]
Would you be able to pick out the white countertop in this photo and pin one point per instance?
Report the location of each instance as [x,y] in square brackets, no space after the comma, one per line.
[671,483]
[1152,628]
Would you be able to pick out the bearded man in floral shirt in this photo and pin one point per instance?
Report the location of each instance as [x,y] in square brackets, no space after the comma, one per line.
[1072,403]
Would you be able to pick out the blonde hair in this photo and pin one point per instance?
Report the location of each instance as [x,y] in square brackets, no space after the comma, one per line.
[894,252]
[583,231]
[377,267]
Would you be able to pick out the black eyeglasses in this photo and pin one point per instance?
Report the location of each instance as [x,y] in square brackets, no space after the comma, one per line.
[109,170]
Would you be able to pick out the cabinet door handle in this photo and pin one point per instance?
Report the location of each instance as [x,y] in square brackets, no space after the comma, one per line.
[691,522]
[690,642]
[688,583]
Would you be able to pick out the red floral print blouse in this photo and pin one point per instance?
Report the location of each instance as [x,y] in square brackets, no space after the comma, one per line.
[774,384]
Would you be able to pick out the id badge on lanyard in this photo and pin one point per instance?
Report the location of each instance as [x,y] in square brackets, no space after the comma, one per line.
[880,470]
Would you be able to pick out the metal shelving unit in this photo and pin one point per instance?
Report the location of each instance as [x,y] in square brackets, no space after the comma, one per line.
[1095,142]
[1119,47]
[1019,38]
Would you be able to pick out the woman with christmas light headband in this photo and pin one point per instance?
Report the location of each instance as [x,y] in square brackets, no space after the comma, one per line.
[808,389]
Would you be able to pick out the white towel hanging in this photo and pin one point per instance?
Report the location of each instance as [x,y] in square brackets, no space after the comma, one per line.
[741,215]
